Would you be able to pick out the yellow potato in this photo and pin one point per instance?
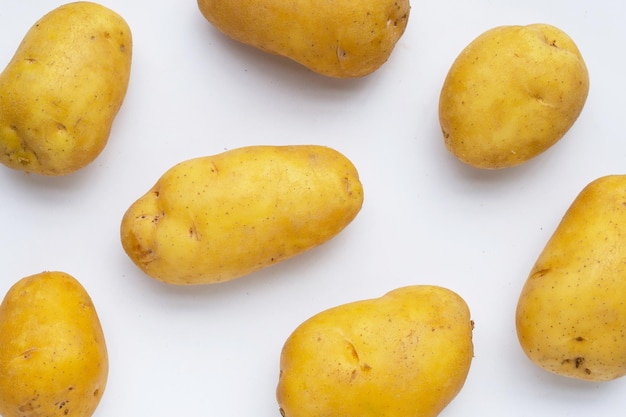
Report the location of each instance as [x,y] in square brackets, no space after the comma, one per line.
[53,357]
[216,218]
[511,94]
[63,88]
[407,353]
[571,314]
[342,39]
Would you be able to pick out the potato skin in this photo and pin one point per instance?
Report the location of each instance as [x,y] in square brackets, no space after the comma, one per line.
[512,93]
[571,314]
[341,39]
[216,218]
[53,357]
[407,353]
[62,89]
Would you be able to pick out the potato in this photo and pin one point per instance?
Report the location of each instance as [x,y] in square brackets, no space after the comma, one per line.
[511,94]
[571,314]
[407,353]
[215,218]
[341,39]
[63,88]
[53,357]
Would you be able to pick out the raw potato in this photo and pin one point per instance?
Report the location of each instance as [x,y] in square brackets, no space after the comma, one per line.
[342,39]
[571,315]
[407,353]
[511,94]
[220,217]
[53,357]
[63,88]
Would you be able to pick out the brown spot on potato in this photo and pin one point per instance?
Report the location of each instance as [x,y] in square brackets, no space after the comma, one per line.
[353,352]
[540,273]
[26,408]
[27,353]
[348,186]
[578,362]
[193,232]
[341,53]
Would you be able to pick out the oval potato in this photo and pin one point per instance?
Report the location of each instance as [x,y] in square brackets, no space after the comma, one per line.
[53,356]
[407,353]
[512,93]
[62,89]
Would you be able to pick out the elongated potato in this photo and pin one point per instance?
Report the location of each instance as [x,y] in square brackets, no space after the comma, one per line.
[220,217]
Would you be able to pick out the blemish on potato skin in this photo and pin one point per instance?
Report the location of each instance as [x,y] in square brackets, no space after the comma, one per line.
[23,161]
[193,232]
[341,53]
[30,406]
[153,218]
[578,364]
[348,185]
[61,404]
[28,353]
[540,273]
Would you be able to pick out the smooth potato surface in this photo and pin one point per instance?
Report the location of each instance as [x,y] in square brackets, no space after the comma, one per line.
[216,218]
[63,88]
[571,314]
[53,356]
[407,353]
[512,93]
[342,39]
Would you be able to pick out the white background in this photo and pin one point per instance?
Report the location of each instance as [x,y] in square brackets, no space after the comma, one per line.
[426,219]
